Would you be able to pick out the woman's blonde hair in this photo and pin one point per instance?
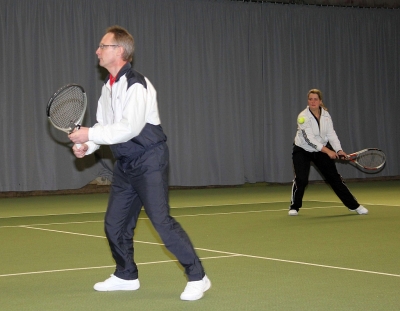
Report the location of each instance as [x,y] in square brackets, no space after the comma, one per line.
[319,93]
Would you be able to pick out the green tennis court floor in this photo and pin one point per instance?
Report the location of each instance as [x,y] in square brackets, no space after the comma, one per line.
[257,257]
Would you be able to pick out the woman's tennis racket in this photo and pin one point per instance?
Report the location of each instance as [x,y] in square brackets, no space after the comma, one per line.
[67,107]
[370,159]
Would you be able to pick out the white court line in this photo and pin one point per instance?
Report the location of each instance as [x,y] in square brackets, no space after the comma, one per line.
[195,206]
[178,216]
[46,215]
[175,216]
[230,254]
[66,232]
[230,204]
[261,211]
[174,207]
[362,203]
[103,267]
[302,263]
[277,210]
[56,223]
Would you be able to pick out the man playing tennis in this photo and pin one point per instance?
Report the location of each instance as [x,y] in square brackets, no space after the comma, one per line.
[128,121]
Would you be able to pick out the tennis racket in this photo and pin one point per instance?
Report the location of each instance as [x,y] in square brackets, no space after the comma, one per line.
[67,107]
[370,159]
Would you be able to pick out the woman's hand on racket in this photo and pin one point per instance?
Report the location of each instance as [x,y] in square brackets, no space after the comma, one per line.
[80,150]
[332,154]
[342,154]
[79,136]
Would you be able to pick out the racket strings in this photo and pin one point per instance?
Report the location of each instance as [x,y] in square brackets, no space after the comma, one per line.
[373,158]
[67,108]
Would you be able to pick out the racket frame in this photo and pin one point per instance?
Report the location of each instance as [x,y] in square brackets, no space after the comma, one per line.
[74,124]
[352,157]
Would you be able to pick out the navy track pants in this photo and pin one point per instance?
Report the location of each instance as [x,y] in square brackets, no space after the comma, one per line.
[144,182]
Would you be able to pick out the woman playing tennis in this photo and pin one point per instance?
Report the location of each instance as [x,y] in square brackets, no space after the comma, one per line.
[316,141]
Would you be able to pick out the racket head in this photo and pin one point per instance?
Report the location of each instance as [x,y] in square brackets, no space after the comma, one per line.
[370,159]
[66,108]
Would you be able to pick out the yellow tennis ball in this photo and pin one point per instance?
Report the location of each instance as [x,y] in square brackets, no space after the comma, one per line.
[301,120]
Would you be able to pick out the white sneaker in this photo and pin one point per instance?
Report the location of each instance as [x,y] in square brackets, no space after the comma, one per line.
[293,212]
[361,210]
[194,290]
[115,283]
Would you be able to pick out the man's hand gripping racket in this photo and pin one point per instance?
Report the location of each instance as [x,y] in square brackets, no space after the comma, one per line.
[370,159]
[67,107]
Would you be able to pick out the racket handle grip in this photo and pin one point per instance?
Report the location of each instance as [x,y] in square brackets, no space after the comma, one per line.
[77,127]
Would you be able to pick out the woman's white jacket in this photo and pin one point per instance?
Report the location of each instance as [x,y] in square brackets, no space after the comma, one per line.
[312,136]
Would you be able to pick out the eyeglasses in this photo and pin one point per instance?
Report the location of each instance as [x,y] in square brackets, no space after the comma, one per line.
[103,46]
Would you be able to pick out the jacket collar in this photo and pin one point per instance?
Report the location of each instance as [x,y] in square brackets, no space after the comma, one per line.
[121,72]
